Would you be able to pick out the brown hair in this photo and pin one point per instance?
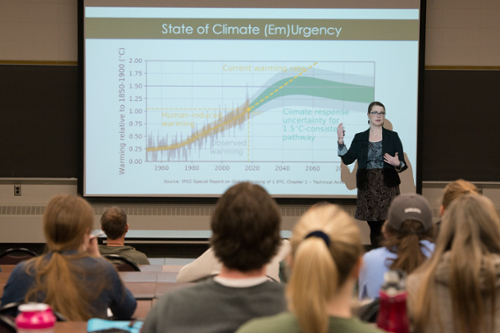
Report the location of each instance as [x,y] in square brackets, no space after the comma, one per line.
[114,222]
[318,271]
[66,220]
[456,189]
[405,242]
[470,234]
[246,227]
[375,103]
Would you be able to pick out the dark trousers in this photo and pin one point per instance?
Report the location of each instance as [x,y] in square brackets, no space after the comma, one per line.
[375,233]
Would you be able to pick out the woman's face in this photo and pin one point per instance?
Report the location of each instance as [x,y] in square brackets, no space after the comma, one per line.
[377,115]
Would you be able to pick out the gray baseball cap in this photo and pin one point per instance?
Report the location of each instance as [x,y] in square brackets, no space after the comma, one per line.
[410,206]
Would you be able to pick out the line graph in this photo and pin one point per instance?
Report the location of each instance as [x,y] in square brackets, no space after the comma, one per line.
[221,110]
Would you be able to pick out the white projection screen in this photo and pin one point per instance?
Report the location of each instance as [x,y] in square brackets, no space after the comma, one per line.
[187,101]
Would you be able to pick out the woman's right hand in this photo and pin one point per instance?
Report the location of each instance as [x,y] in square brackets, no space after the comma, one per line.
[340,133]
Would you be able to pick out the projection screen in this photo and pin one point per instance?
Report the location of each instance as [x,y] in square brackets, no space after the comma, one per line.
[187,101]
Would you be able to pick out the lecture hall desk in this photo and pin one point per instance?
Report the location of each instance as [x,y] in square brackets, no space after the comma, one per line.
[152,282]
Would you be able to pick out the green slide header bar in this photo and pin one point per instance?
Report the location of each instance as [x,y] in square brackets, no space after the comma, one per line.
[251,29]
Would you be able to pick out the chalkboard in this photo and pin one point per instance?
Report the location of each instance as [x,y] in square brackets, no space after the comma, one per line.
[39,127]
[461,125]
[39,131]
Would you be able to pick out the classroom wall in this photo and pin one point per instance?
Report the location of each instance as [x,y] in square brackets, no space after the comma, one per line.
[462,33]
[21,216]
[39,31]
[458,32]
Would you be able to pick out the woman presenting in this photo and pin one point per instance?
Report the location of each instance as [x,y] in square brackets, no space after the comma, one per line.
[380,158]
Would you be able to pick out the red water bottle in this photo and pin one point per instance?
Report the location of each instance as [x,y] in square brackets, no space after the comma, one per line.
[35,318]
[392,315]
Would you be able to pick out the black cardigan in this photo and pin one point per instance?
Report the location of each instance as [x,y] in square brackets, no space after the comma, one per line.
[391,144]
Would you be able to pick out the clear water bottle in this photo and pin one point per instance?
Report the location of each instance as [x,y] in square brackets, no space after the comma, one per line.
[392,315]
[35,318]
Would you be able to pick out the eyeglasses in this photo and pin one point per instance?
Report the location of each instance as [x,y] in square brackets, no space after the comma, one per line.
[374,113]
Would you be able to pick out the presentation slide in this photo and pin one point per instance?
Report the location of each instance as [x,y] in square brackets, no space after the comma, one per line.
[186,102]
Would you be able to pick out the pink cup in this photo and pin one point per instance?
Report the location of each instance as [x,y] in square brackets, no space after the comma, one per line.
[35,318]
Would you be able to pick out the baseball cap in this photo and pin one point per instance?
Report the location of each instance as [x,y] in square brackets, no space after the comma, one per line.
[410,206]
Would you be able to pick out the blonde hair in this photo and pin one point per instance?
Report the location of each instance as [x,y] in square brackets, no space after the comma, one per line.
[66,220]
[456,189]
[319,271]
[470,233]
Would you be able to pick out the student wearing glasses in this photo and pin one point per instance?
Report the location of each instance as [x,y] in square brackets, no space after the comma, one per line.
[380,157]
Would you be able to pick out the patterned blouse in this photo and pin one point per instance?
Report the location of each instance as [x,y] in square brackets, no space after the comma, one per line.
[375,158]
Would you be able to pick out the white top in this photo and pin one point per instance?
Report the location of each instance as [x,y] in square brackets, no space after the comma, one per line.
[375,263]
[241,283]
[207,265]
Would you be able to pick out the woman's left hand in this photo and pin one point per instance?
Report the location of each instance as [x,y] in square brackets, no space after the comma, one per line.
[93,248]
[392,160]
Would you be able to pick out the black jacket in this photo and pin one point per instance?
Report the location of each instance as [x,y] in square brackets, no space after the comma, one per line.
[391,144]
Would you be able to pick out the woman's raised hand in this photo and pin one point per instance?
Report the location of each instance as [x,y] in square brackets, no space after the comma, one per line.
[341,133]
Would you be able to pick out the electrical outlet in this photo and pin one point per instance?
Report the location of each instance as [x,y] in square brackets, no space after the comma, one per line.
[17,190]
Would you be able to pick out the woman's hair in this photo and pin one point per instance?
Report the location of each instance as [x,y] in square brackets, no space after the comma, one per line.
[470,233]
[66,220]
[405,242]
[372,104]
[318,270]
[456,189]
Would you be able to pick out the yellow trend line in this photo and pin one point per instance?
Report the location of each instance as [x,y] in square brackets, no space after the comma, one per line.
[195,137]
[248,140]
[262,100]
[193,109]
[178,145]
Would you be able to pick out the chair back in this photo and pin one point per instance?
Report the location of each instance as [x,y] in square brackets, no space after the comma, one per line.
[122,264]
[7,324]
[15,255]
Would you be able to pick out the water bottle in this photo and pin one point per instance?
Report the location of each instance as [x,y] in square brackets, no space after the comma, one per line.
[35,318]
[392,315]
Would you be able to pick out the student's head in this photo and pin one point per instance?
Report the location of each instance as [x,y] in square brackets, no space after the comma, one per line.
[470,221]
[66,221]
[114,222]
[470,234]
[246,227]
[409,222]
[455,190]
[326,252]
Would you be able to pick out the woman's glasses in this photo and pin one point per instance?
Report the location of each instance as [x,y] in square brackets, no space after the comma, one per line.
[375,113]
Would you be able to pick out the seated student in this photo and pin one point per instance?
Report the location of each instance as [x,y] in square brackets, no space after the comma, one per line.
[207,265]
[115,226]
[246,235]
[458,288]
[452,191]
[408,234]
[325,260]
[71,277]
